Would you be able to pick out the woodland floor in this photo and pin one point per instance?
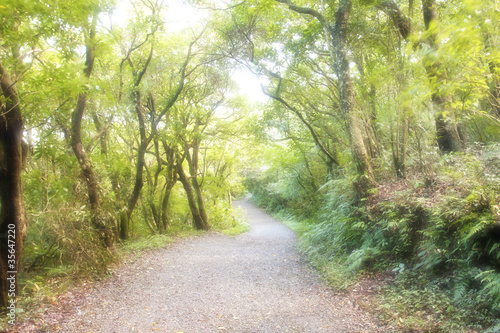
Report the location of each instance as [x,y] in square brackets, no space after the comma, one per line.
[254,282]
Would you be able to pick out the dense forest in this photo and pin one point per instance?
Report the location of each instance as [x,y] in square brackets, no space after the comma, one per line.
[378,141]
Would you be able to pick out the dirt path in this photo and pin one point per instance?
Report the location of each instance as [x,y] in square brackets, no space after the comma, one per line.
[255,282]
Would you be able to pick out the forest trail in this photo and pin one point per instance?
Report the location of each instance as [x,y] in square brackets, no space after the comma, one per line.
[254,282]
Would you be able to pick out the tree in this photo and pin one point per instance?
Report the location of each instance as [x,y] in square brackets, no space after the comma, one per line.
[337,41]
[13,151]
[335,33]
[92,180]
[12,217]
[204,95]
[447,132]
[155,111]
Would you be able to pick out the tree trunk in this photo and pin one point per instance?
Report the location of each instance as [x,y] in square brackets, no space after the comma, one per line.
[193,170]
[448,138]
[399,143]
[124,226]
[88,172]
[156,216]
[165,219]
[134,197]
[146,217]
[171,180]
[139,169]
[89,175]
[495,82]
[199,222]
[145,140]
[12,214]
[447,132]
[369,111]
[339,48]
[336,36]
[495,95]
[371,126]
[103,136]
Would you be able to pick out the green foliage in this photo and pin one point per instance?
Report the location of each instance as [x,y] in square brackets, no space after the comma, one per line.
[65,238]
[226,219]
[418,301]
[447,281]
[232,224]
[434,228]
[147,243]
[435,238]
[337,229]
[491,279]
[333,269]
[289,179]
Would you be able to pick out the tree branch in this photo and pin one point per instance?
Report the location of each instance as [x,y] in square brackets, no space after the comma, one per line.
[305,10]
[180,86]
[305,122]
[401,21]
[100,133]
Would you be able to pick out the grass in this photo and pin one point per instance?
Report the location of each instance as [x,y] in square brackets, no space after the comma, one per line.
[238,229]
[232,224]
[147,243]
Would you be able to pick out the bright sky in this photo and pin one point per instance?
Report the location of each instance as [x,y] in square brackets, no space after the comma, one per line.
[180,15]
[249,85]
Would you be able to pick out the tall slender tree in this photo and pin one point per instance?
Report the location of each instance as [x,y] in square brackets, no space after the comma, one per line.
[91,178]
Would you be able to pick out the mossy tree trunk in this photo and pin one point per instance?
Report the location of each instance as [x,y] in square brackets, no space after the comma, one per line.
[12,212]
[193,164]
[198,218]
[171,180]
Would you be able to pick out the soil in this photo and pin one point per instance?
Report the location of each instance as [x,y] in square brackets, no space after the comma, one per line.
[254,282]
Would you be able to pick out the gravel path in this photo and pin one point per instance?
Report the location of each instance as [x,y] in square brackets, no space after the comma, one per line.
[255,282]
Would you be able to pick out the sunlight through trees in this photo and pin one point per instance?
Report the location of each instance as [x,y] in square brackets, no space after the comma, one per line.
[120,120]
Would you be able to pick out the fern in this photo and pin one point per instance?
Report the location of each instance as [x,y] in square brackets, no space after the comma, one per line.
[460,287]
[482,224]
[494,248]
[494,329]
[492,283]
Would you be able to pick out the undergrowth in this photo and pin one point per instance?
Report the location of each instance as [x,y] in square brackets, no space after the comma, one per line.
[416,301]
[228,220]
[147,243]
[333,270]
[437,235]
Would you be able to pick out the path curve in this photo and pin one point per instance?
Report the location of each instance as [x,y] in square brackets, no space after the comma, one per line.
[254,282]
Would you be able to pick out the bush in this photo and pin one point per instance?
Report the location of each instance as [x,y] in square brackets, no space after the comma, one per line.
[65,238]
[228,220]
